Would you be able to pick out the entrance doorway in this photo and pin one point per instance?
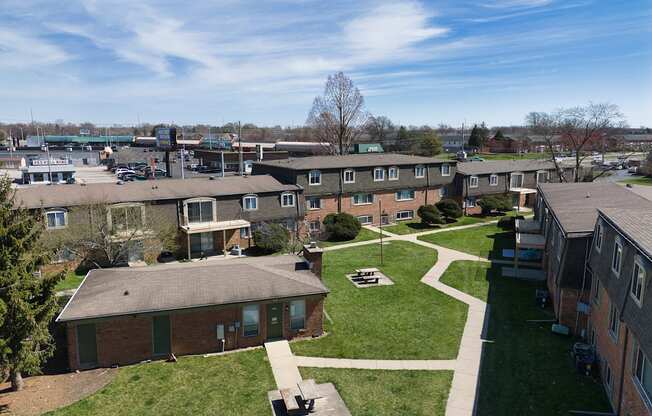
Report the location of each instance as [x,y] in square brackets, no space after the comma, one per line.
[274,320]
[86,345]
[202,243]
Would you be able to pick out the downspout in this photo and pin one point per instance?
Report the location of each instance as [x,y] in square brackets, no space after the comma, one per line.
[587,253]
[427,183]
[560,268]
[622,371]
[341,190]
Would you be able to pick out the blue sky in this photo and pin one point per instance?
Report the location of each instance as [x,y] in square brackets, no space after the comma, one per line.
[417,62]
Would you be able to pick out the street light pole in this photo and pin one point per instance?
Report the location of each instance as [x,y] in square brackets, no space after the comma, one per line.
[47,149]
[380,227]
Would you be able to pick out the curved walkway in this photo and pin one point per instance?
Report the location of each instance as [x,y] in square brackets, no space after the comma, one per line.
[462,395]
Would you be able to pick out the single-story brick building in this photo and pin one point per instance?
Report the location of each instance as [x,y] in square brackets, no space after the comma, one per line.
[126,315]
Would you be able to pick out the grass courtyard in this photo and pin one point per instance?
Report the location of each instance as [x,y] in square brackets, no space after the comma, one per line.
[229,385]
[487,241]
[408,320]
[363,235]
[388,392]
[526,368]
[416,226]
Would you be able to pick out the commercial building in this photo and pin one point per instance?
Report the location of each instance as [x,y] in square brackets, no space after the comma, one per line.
[44,171]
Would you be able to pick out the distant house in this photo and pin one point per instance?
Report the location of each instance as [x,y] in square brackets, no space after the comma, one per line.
[507,145]
[123,315]
[367,148]
[452,143]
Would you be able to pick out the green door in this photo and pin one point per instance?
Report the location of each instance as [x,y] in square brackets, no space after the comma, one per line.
[275,320]
[86,345]
[161,335]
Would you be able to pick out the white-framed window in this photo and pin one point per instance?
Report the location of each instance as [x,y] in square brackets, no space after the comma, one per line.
[245,232]
[349,176]
[469,202]
[314,226]
[617,257]
[643,374]
[445,169]
[297,314]
[392,173]
[599,236]
[608,378]
[493,180]
[473,182]
[126,217]
[250,202]
[638,281]
[56,219]
[362,199]
[313,203]
[614,321]
[405,195]
[404,215]
[379,174]
[314,177]
[250,320]
[419,171]
[542,176]
[516,180]
[199,210]
[287,199]
[365,219]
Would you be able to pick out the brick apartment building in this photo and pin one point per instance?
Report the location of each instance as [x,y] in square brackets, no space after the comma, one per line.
[208,214]
[567,213]
[359,183]
[620,266]
[126,315]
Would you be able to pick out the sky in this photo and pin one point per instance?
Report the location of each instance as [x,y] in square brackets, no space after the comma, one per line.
[264,61]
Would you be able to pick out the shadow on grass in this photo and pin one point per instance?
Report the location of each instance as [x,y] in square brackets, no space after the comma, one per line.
[501,240]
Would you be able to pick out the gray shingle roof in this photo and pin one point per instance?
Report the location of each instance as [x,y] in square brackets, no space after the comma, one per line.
[353,160]
[575,205]
[77,194]
[122,291]
[503,166]
[635,223]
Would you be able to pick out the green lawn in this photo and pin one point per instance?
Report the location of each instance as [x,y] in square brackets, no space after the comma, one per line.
[363,235]
[71,281]
[407,320]
[385,393]
[638,180]
[486,241]
[525,368]
[233,384]
[415,226]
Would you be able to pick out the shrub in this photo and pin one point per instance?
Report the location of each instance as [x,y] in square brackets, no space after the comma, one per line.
[271,238]
[488,204]
[449,208]
[430,215]
[341,227]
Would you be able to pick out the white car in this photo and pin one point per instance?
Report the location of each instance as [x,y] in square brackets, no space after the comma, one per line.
[124,170]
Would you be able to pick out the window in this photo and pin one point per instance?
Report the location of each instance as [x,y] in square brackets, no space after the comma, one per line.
[287,199]
[250,202]
[608,378]
[250,320]
[125,218]
[392,173]
[405,195]
[596,290]
[404,215]
[365,219]
[599,234]
[614,321]
[313,203]
[379,174]
[638,282]
[542,176]
[473,182]
[314,177]
[469,202]
[349,176]
[643,374]
[314,226]
[245,232]
[516,180]
[56,219]
[419,171]
[297,314]
[363,199]
[493,180]
[617,257]
[445,169]
[200,211]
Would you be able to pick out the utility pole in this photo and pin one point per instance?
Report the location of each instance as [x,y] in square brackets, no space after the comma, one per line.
[183,153]
[240,167]
[380,227]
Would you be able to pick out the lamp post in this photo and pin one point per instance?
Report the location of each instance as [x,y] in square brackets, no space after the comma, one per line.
[47,150]
[380,227]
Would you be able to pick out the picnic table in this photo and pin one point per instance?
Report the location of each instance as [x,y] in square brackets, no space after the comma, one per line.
[370,271]
[308,392]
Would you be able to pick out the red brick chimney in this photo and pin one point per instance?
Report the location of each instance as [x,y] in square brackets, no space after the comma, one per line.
[313,256]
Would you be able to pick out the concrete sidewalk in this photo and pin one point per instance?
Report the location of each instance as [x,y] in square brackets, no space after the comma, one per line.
[284,367]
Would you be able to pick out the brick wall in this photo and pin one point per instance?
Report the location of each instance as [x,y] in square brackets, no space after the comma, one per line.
[632,402]
[128,339]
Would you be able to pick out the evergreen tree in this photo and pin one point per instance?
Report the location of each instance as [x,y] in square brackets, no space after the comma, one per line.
[484,133]
[27,301]
[474,139]
[499,135]
[430,144]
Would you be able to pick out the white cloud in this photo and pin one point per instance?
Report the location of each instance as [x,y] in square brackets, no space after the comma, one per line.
[507,4]
[23,50]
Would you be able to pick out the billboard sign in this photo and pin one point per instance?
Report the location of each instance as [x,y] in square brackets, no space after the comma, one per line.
[166,138]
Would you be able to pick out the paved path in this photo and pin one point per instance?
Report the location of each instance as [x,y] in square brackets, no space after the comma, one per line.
[283,364]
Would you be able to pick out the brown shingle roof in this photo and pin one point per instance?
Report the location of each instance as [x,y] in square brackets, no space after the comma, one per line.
[77,194]
[503,166]
[352,161]
[635,223]
[123,291]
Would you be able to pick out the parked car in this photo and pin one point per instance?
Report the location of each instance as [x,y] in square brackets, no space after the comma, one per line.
[166,257]
[633,170]
[192,166]
[127,176]
[122,171]
[208,169]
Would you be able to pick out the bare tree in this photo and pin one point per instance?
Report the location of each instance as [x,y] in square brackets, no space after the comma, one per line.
[379,127]
[581,129]
[338,116]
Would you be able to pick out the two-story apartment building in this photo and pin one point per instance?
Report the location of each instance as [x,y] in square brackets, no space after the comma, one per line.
[567,213]
[620,267]
[376,188]
[518,178]
[209,214]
